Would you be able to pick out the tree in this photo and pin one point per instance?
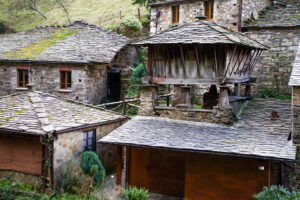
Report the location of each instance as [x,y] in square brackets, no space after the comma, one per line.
[27,4]
[65,5]
[145,2]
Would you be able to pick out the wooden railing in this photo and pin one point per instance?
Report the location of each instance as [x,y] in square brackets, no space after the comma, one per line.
[129,102]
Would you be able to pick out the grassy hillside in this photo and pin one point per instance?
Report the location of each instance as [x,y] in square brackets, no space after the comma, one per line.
[108,11]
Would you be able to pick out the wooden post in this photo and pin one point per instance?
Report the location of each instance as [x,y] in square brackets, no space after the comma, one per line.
[269,174]
[139,14]
[237,89]
[223,97]
[248,90]
[124,107]
[168,101]
[282,173]
[120,14]
[119,167]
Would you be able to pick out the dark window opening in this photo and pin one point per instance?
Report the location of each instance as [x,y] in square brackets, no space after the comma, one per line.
[175,14]
[22,78]
[113,86]
[65,79]
[209,9]
[89,140]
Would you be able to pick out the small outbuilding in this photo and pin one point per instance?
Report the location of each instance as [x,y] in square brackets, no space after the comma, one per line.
[40,133]
[200,161]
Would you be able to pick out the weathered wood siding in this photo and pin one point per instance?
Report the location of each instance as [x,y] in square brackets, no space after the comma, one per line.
[198,176]
[21,154]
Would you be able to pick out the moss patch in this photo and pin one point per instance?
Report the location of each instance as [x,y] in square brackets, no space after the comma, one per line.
[34,50]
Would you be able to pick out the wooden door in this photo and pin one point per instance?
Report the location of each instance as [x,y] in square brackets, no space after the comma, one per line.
[138,167]
[211,177]
[167,170]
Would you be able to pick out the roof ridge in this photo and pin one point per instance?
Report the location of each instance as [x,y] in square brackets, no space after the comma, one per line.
[39,110]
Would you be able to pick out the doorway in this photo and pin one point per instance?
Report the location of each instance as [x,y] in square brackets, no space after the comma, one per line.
[113,86]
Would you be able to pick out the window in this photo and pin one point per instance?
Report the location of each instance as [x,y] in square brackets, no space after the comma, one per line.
[175,14]
[65,79]
[89,140]
[22,78]
[209,9]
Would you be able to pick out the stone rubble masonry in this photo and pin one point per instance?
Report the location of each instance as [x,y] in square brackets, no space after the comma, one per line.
[225,13]
[69,146]
[274,67]
[148,98]
[296,133]
[35,181]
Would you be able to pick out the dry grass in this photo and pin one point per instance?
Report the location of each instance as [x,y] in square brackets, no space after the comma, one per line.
[108,11]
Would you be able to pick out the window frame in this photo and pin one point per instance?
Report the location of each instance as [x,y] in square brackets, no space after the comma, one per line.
[85,142]
[210,14]
[23,71]
[66,82]
[177,14]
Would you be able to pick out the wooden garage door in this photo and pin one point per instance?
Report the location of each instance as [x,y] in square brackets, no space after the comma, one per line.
[221,177]
[167,172]
[21,154]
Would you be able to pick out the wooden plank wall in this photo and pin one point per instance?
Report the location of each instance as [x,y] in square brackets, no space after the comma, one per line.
[21,154]
[210,177]
[188,61]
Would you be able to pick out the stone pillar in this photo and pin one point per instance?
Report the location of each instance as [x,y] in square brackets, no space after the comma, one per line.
[237,89]
[223,97]
[148,97]
[182,96]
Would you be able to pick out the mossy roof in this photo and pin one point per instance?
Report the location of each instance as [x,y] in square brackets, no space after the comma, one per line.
[39,113]
[79,42]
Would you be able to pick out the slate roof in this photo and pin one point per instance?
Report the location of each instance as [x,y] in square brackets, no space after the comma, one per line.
[295,76]
[277,16]
[156,132]
[80,42]
[201,32]
[39,113]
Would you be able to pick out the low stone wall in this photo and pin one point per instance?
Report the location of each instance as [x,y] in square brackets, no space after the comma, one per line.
[218,115]
[35,181]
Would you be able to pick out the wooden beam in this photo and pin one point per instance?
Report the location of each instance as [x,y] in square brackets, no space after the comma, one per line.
[119,167]
[182,60]
[149,60]
[245,63]
[238,58]
[169,61]
[253,66]
[197,60]
[127,165]
[216,62]
[239,63]
[165,62]
[230,61]
[250,62]
[269,174]
[282,173]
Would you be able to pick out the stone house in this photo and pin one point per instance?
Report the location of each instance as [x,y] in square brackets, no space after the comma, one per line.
[278,27]
[40,133]
[273,23]
[295,84]
[82,62]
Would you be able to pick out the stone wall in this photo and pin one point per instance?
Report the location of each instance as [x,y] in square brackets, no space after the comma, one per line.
[69,146]
[88,82]
[35,181]
[225,13]
[274,66]
[295,176]
[218,115]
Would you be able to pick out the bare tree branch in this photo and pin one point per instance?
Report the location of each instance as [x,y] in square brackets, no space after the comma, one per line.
[27,4]
[65,4]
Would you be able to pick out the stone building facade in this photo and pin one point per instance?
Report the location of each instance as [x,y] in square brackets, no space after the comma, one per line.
[80,62]
[225,12]
[295,84]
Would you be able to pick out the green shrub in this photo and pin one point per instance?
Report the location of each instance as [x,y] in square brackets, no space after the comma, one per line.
[134,193]
[131,23]
[12,194]
[90,164]
[137,74]
[277,193]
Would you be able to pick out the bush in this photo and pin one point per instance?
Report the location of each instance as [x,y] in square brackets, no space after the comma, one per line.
[131,23]
[137,74]
[90,164]
[134,193]
[11,194]
[277,193]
